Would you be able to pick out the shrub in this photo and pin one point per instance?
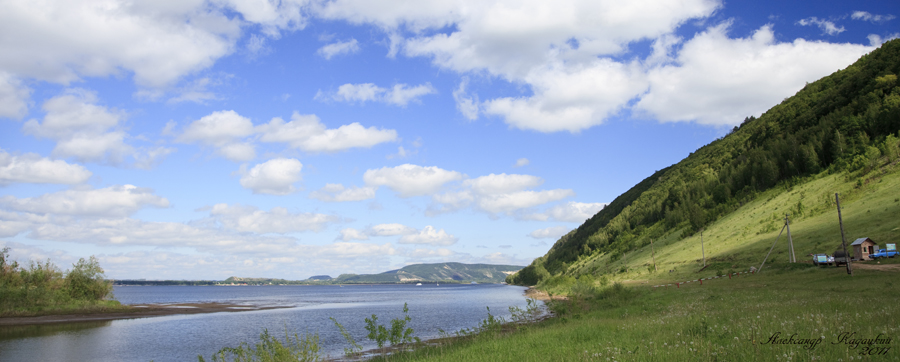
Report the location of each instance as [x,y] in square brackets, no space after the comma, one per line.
[87,280]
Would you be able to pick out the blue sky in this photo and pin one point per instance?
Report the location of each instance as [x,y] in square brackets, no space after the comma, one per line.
[205,139]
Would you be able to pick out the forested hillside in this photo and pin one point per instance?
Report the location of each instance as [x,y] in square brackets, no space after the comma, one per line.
[844,123]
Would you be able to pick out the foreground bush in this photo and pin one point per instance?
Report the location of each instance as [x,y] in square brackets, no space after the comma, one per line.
[42,286]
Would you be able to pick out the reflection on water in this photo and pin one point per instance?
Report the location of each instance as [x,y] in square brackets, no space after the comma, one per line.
[14,332]
[182,337]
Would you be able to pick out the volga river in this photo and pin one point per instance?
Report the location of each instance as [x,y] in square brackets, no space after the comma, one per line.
[448,307]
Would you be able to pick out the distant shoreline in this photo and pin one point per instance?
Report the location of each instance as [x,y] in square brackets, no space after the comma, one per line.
[135,311]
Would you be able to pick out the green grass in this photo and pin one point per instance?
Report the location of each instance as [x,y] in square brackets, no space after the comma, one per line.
[71,307]
[870,208]
[722,320]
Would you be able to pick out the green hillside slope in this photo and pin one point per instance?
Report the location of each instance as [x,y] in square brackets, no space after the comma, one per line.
[837,134]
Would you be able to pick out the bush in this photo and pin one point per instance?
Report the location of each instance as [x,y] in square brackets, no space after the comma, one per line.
[87,280]
[42,285]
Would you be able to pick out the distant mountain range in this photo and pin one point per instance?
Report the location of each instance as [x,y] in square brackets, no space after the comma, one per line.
[439,272]
[416,273]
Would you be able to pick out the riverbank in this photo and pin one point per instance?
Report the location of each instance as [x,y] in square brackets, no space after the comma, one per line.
[131,312]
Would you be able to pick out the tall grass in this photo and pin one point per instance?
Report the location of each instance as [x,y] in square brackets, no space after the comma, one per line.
[271,349]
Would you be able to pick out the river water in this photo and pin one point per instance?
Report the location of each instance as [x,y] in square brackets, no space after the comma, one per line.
[448,307]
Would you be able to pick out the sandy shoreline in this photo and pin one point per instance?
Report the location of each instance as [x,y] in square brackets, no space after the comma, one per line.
[138,311]
[541,295]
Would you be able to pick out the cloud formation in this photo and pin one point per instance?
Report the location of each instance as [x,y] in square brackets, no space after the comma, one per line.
[277,220]
[398,95]
[224,130]
[826,26]
[274,177]
[234,136]
[13,97]
[497,194]
[339,193]
[411,180]
[307,133]
[81,128]
[429,236]
[867,16]
[717,80]
[113,201]
[568,56]
[339,48]
[32,168]
[554,232]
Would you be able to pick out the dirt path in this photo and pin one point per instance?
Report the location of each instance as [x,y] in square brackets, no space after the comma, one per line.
[882,267]
[138,311]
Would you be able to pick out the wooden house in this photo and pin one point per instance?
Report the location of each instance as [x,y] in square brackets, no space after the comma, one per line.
[863,247]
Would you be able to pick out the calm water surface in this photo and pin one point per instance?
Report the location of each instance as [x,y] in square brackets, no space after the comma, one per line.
[448,307]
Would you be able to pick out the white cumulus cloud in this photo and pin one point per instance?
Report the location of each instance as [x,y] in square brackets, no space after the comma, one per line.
[339,193]
[571,211]
[32,168]
[717,80]
[14,97]
[225,131]
[430,236]
[81,128]
[275,177]
[277,220]
[159,42]
[550,233]
[308,133]
[113,201]
[497,194]
[411,180]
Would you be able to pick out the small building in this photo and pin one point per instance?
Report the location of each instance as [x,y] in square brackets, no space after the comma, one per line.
[863,247]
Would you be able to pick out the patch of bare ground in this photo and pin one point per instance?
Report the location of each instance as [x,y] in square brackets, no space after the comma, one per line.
[542,295]
[881,267]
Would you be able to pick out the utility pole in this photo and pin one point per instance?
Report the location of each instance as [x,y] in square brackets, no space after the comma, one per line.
[701,248]
[843,238]
[787,224]
[653,254]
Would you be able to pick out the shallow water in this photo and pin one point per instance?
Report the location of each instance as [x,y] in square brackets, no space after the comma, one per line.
[449,307]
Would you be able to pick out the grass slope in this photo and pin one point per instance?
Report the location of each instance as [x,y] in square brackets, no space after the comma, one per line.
[870,208]
[721,320]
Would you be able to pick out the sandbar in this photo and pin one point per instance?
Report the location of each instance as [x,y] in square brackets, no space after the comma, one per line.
[135,311]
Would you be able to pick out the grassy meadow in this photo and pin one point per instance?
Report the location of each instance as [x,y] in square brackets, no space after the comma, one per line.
[724,319]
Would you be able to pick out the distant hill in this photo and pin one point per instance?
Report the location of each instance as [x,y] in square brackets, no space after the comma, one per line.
[837,134]
[439,272]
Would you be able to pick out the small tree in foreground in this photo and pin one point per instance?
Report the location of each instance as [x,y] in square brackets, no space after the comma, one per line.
[87,280]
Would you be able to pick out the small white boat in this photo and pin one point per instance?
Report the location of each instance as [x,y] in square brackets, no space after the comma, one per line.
[418,284]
